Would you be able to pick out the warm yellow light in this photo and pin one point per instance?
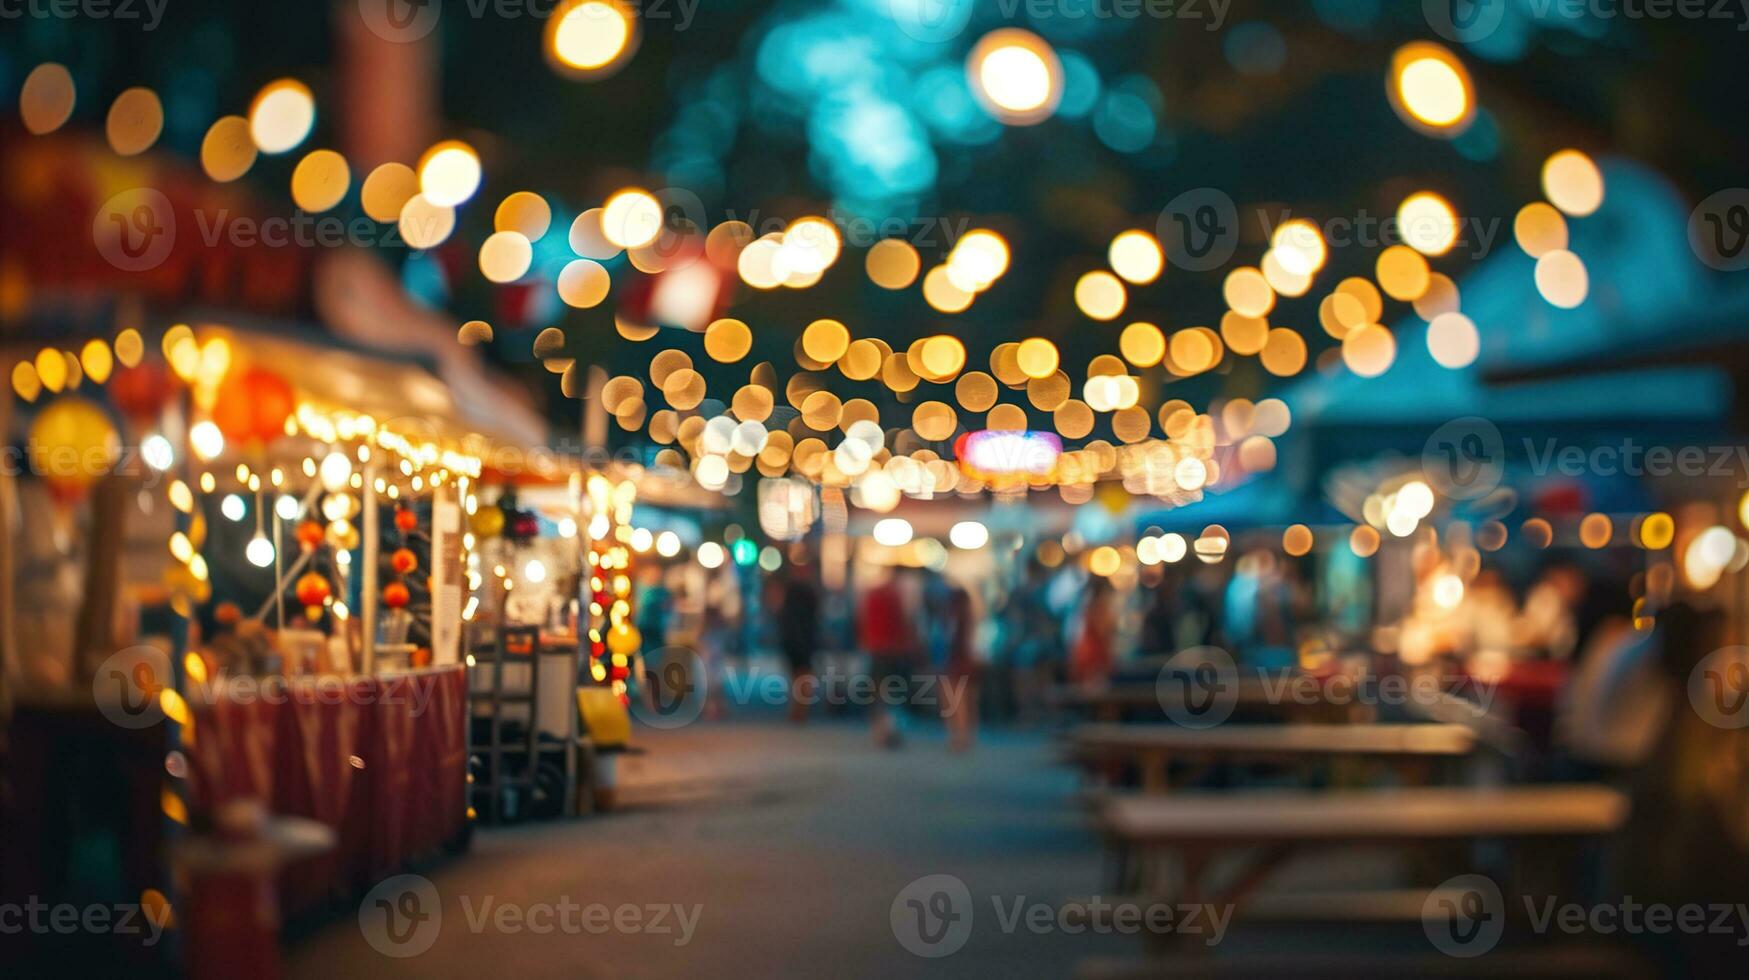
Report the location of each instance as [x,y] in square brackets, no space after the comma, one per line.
[136,117]
[1137,257]
[1561,279]
[506,255]
[449,173]
[893,264]
[282,115]
[978,259]
[1427,223]
[1299,247]
[1100,295]
[631,218]
[811,245]
[46,99]
[1453,341]
[940,292]
[1248,292]
[1430,88]
[1572,182]
[424,224]
[1016,76]
[591,37]
[1403,273]
[1142,344]
[227,151]
[1539,229]
[1369,351]
[320,181]
[1036,357]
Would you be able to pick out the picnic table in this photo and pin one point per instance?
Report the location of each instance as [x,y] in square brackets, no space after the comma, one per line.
[1255,697]
[1267,828]
[1153,748]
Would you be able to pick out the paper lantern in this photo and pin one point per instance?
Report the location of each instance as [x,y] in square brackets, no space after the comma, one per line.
[72,443]
[395,595]
[487,522]
[312,590]
[403,561]
[624,639]
[406,520]
[310,534]
[141,392]
[252,405]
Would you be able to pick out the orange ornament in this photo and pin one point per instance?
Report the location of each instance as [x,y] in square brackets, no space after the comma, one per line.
[403,561]
[312,589]
[142,391]
[395,595]
[406,520]
[310,535]
[252,406]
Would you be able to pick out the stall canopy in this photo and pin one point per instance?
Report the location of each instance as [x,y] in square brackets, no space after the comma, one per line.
[1646,294]
[1645,289]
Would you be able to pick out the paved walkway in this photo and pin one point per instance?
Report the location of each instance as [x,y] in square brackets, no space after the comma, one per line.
[789,845]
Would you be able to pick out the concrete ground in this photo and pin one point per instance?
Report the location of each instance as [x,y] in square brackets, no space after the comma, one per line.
[790,845]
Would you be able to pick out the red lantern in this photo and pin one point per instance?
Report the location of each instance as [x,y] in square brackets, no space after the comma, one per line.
[310,535]
[406,520]
[252,405]
[395,595]
[142,391]
[312,590]
[403,561]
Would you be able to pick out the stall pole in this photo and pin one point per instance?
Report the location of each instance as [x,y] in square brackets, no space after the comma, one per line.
[368,586]
[278,566]
[8,520]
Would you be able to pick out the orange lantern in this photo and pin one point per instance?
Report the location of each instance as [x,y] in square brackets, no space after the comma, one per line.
[72,443]
[406,520]
[312,590]
[252,405]
[310,534]
[403,560]
[141,392]
[395,595]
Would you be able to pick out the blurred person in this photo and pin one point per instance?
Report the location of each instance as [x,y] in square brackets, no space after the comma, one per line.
[655,608]
[960,678]
[799,635]
[1548,623]
[1037,629]
[1092,659]
[888,633]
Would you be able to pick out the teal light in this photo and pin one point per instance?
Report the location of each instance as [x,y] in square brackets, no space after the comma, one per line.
[745,552]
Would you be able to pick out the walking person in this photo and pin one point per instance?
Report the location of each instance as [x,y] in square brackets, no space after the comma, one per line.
[889,636]
[799,636]
[960,679]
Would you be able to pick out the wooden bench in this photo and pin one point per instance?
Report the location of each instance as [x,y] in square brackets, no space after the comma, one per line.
[1153,748]
[1197,828]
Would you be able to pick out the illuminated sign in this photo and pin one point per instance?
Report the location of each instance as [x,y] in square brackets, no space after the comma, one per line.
[990,456]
